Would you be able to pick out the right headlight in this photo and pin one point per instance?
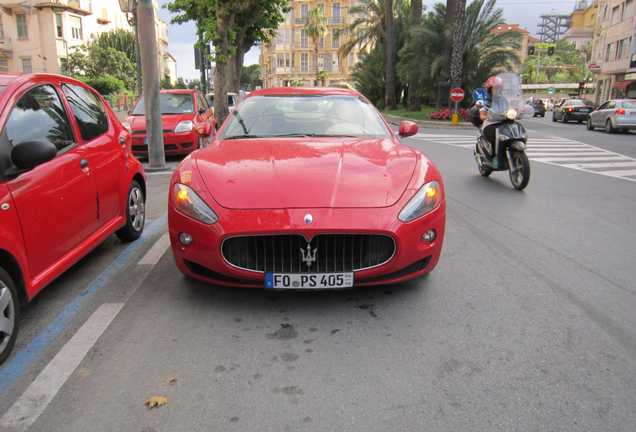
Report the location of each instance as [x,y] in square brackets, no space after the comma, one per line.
[190,204]
[424,201]
[127,126]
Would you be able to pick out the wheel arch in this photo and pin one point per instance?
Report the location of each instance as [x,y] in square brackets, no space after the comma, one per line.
[11,266]
[142,182]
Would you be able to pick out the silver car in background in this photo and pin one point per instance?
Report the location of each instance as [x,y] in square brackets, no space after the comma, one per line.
[614,115]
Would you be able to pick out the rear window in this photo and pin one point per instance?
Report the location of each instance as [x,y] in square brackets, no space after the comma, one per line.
[629,104]
[170,103]
[581,103]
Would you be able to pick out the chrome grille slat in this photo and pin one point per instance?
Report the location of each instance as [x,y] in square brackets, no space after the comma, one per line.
[334,252]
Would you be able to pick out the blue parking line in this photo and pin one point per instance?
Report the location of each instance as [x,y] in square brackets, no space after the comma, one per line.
[23,360]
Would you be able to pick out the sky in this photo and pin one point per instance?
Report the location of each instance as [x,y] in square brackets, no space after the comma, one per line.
[526,13]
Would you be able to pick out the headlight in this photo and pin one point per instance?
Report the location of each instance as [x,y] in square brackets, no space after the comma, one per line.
[184,126]
[511,114]
[424,201]
[190,204]
[127,126]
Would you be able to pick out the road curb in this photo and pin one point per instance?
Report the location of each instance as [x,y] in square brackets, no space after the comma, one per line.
[427,124]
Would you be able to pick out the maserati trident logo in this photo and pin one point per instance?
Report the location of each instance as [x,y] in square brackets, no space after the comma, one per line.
[308,259]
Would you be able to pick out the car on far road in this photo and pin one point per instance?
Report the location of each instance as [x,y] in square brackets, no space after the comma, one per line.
[573,109]
[68,180]
[307,188]
[539,107]
[232,100]
[181,112]
[614,115]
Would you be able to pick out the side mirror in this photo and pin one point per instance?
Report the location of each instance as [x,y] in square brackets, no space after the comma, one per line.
[407,129]
[29,154]
[203,130]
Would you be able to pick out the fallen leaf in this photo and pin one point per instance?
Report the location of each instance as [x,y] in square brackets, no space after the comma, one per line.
[170,381]
[156,401]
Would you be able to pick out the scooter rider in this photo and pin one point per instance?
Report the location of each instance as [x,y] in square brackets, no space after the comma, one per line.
[496,102]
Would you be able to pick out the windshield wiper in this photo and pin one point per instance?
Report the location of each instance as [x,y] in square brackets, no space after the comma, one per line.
[243,136]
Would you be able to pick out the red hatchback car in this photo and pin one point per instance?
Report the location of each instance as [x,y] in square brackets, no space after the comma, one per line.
[181,112]
[306,188]
[68,180]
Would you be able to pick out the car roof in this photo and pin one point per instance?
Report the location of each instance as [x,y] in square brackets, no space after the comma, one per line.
[229,93]
[303,91]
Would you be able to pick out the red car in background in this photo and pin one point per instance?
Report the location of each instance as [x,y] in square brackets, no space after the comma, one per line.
[68,180]
[181,112]
[303,189]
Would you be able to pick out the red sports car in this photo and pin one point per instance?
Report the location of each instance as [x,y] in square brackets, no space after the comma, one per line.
[306,188]
[68,181]
[181,112]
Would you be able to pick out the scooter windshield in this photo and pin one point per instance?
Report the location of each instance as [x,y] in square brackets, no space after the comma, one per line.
[508,101]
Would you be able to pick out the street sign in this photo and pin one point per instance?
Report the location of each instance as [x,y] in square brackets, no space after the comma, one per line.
[551,90]
[479,94]
[457,94]
[594,67]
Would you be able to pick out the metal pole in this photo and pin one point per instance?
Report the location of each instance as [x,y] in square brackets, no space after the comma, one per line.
[150,72]
[140,88]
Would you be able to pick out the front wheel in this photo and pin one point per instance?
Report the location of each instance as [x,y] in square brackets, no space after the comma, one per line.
[521,166]
[135,214]
[554,117]
[9,315]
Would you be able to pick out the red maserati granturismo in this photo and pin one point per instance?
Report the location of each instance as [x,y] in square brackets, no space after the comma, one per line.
[303,189]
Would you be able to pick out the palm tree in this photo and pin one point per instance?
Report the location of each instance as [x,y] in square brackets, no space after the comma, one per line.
[458,44]
[389,99]
[413,103]
[316,25]
[367,30]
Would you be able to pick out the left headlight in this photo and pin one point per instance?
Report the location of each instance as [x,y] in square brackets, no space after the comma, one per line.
[424,201]
[190,204]
[127,126]
[184,126]
[511,113]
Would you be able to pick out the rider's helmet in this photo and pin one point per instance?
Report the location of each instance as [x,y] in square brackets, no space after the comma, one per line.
[493,81]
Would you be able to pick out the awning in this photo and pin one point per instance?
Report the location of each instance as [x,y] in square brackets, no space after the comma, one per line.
[623,84]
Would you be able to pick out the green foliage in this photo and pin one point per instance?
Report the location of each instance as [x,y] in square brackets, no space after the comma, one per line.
[566,65]
[194,84]
[368,75]
[180,84]
[120,40]
[165,84]
[104,85]
[250,76]
[94,61]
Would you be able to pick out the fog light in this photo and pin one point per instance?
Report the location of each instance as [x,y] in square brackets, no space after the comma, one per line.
[429,236]
[185,239]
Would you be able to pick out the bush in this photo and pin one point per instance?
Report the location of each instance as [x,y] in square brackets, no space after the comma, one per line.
[106,85]
[447,114]
[380,104]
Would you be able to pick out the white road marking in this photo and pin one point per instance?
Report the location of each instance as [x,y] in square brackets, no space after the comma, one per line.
[36,398]
[156,251]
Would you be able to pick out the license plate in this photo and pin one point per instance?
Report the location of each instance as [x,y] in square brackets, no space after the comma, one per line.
[308,281]
[145,140]
[585,110]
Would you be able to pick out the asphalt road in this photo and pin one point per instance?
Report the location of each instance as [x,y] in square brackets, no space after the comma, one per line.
[526,324]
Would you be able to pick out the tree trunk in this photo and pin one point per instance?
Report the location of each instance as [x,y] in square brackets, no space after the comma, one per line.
[457,59]
[389,98]
[222,44]
[443,90]
[234,76]
[413,99]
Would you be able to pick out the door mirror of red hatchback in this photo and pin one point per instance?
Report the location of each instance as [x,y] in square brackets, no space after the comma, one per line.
[407,129]
[29,154]
[203,130]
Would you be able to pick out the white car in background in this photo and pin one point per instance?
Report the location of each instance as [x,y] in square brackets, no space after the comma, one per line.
[614,115]
[232,100]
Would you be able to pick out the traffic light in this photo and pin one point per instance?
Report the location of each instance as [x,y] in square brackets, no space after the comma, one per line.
[550,51]
[531,50]
[581,85]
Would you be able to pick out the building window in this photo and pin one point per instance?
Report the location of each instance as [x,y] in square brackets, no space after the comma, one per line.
[608,52]
[64,66]
[335,13]
[620,50]
[304,40]
[304,62]
[321,6]
[351,61]
[286,59]
[20,20]
[616,14]
[58,25]
[292,42]
[280,58]
[76,27]
[26,65]
[335,38]
[4,65]
[279,38]
[327,62]
[1,27]
[628,10]
[304,9]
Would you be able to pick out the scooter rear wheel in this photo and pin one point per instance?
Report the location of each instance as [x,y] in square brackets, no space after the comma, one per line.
[521,176]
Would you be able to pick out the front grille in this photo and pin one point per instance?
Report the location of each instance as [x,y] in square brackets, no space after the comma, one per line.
[333,252]
[143,132]
[140,148]
[170,147]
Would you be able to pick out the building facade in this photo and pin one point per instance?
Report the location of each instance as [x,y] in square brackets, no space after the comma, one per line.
[614,49]
[37,36]
[290,57]
[581,24]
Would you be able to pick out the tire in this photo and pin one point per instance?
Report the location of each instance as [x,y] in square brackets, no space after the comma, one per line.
[589,124]
[543,115]
[563,120]
[521,177]
[580,121]
[135,213]
[9,315]
[553,117]
[485,172]
[609,128]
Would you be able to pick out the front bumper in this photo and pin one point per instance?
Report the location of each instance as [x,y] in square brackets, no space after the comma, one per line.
[202,259]
[173,143]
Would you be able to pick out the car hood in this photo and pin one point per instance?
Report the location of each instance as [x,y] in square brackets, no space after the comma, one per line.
[169,121]
[313,173]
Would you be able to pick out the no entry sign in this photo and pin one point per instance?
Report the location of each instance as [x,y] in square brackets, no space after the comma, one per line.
[457,94]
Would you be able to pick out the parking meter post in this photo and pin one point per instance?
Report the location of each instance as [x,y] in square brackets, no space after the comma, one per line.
[150,73]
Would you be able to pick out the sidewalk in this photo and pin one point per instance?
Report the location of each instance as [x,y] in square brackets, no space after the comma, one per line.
[428,124]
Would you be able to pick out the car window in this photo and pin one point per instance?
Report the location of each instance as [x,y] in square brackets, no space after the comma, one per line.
[268,116]
[603,106]
[88,110]
[170,103]
[580,102]
[39,114]
[231,100]
[202,101]
[629,104]
[611,104]
[210,99]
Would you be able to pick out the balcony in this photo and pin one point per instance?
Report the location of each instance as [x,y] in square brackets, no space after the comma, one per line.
[300,21]
[336,20]
[6,48]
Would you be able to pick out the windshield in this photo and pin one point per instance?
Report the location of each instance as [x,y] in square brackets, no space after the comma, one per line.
[581,103]
[170,103]
[275,116]
[507,93]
